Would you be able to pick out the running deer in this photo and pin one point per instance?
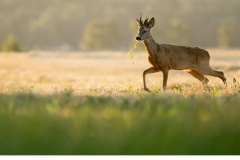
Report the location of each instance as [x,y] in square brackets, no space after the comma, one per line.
[165,57]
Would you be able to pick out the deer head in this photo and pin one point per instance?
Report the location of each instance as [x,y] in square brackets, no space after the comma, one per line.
[144,28]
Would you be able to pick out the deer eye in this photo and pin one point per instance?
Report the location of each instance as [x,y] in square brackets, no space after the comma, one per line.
[144,31]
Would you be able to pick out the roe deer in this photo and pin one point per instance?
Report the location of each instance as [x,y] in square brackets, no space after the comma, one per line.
[165,57]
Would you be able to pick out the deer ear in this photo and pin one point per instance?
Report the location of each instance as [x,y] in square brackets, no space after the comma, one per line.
[151,23]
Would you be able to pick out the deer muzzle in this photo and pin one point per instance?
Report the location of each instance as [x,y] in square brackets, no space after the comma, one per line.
[138,38]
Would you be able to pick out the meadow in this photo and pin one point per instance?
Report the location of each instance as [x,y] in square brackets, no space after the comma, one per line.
[93,103]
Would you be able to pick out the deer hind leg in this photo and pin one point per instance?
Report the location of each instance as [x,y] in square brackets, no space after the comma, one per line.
[148,71]
[199,76]
[209,71]
[222,77]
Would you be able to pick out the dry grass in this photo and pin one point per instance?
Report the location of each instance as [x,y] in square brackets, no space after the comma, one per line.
[99,73]
[74,121]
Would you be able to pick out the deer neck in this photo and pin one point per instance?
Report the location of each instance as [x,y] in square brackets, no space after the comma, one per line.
[151,46]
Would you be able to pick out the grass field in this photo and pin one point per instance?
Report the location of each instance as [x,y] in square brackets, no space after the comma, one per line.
[93,103]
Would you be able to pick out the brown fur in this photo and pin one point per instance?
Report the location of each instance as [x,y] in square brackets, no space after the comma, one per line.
[165,57]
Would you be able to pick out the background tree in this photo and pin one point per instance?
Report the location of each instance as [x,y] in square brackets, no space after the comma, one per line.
[225,37]
[100,34]
[0,45]
[10,45]
[177,33]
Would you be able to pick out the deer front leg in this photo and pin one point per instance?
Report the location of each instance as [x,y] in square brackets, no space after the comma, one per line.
[165,78]
[148,71]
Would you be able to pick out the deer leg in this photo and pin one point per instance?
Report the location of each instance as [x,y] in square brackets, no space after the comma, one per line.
[222,77]
[148,71]
[209,71]
[199,76]
[165,78]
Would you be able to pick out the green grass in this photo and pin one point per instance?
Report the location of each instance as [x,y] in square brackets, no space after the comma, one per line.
[153,124]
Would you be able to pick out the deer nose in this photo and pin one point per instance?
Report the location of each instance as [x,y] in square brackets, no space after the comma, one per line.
[138,38]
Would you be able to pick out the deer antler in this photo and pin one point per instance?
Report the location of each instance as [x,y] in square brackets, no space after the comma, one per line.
[146,21]
[140,19]
[140,22]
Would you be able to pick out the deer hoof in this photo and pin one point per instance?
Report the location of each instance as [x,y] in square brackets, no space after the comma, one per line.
[146,89]
[225,81]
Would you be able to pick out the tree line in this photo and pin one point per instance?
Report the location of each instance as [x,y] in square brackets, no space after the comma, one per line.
[111,25]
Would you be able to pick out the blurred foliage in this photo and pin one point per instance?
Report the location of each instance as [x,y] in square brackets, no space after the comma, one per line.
[0,45]
[158,124]
[10,45]
[49,24]
[100,34]
[225,37]
[177,33]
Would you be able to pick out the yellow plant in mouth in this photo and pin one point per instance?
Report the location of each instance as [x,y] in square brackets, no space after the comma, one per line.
[130,53]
